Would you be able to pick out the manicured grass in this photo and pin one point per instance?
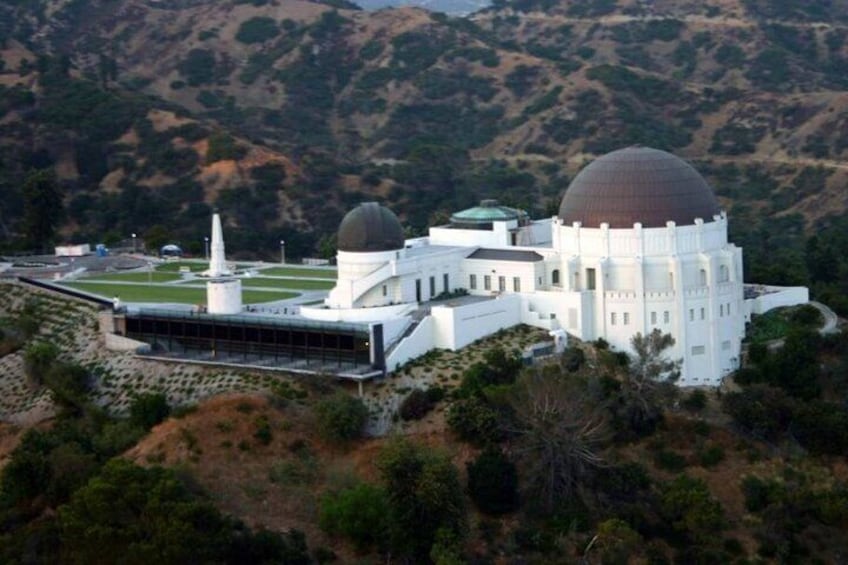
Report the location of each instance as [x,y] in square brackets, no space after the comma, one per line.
[195,266]
[268,282]
[138,276]
[300,272]
[174,266]
[303,284]
[160,293]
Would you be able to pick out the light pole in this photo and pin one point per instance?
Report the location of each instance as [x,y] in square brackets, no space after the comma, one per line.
[149,273]
[133,236]
[206,246]
[282,252]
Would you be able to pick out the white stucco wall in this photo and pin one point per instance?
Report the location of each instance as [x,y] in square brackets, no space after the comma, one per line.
[777,297]
[457,326]
[419,342]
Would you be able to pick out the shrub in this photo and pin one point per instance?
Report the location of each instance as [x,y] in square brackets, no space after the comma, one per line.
[263,433]
[341,417]
[689,506]
[669,460]
[474,421]
[493,482]
[257,30]
[39,357]
[711,456]
[359,513]
[149,409]
[415,406]
[696,401]
[198,67]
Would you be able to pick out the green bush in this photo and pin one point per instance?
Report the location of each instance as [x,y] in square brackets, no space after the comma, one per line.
[263,433]
[149,409]
[474,421]
[257,30]
[198,67]
[415,406]
[711,456]
[39,357]
[493,482]
[696,401]
[669,460]
[341,417]
[360,513]
[690,507]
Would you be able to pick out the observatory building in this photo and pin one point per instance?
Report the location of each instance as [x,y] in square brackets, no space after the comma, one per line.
[639,243]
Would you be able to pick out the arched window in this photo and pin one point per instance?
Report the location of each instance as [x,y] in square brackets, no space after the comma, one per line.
[555,277]
[703,277]
[723,273]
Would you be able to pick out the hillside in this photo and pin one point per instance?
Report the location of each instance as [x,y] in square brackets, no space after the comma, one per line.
[313,108]
[754,470]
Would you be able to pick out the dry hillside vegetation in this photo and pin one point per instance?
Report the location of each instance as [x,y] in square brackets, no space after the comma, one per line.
[287,113]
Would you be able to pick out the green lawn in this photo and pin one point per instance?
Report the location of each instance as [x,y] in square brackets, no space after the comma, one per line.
[303,284]
[135,277]
[159,293]
[268,282]
[300,272]
[174,266]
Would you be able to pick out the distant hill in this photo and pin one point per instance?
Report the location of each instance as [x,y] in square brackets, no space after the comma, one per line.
[317,107]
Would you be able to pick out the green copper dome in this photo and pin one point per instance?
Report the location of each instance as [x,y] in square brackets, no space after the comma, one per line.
[483,215]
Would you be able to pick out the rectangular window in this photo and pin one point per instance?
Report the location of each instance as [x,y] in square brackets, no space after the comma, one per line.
[516,284]
[698,350]
[702,313]
[487,282]
[728,309]
[472,282]
[445,283]
[725,346]
[653,318]
[502,284]
[385,290]
[590,279]
[612,318]
[432,287]
[691,314]
[666,317]
[721,310]
[627,318]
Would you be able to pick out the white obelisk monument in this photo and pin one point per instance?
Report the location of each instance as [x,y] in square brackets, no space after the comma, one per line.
[223,291]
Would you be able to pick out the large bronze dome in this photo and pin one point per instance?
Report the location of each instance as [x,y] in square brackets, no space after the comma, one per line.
[370,227]
[638,184]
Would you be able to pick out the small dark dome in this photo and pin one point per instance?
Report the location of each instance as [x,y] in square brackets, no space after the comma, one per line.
[370,227]
[638,184]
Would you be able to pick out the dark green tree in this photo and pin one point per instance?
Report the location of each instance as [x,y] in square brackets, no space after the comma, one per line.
[43,209]
[493,482]
[425,498]
[647,383]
